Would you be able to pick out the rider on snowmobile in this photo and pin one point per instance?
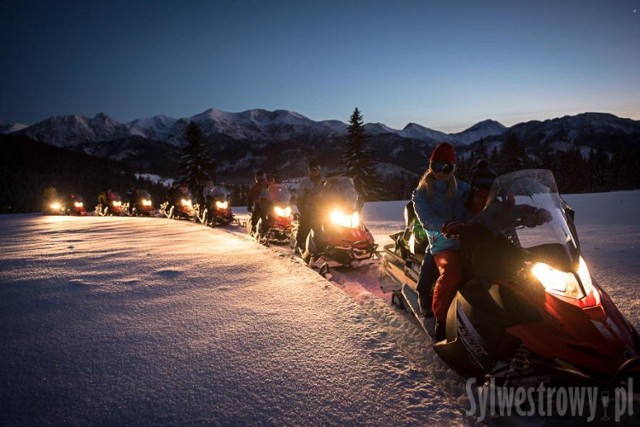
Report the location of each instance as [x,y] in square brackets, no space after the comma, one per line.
[104,198]
[481,179]
[439,203]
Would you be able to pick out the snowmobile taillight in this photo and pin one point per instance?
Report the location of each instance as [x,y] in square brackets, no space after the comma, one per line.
[78,204]
[117,203]
[146,202]
[343,220]
[185,202]
[225,205]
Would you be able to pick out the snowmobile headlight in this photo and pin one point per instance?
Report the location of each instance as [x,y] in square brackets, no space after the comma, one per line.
[146,202]
[283,212]
[222,205]
[78,204]
[585,276]
[117,203]
[185,202]
[343,220]
[55,206]
[556,281]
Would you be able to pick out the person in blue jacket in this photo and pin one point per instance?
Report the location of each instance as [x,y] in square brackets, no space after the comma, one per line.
[439,203]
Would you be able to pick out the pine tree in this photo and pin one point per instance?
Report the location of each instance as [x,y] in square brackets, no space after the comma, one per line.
[196,165]
[358,162]
[599,177]
[478,152]
[512,156]
[571,172]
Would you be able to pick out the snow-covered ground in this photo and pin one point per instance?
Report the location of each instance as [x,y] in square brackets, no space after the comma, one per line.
[123,321]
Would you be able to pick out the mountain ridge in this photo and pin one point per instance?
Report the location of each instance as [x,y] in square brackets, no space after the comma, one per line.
[255,124]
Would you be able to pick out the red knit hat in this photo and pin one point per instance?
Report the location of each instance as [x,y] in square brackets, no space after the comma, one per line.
[444,152]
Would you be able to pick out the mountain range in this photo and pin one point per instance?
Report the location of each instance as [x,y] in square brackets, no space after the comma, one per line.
[251,125]
[285,141]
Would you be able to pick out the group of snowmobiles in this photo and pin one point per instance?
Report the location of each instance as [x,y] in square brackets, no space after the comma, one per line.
[339,238]
[214,211]
[138,203]
[528,311]
[70,205]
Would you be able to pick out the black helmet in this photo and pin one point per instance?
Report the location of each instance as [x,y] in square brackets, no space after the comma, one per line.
[260,176]
[483,175]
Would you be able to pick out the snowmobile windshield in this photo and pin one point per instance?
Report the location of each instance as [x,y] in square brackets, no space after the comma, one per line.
[342,190]
[279,194]
[526,207]
[143,194]
[218,193]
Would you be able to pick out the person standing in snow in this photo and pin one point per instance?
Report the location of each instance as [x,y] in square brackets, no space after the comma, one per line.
[50,193]
[439,203]
[253,198]
[307,195]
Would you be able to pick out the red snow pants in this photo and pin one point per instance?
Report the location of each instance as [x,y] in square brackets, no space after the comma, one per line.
[450,269]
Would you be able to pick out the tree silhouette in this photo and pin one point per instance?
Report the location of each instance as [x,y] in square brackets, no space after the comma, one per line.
[196,165]
[512,156]
[358,162]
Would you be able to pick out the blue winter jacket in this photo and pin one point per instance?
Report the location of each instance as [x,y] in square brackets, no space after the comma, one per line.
[433,213]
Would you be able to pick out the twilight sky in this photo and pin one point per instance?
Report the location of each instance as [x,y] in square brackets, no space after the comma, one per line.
[442,66]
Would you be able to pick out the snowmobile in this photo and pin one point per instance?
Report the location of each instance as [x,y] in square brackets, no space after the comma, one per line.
[140,204]
[341,239]
[275,225]
[112,207]
[53,207]
[75,205]
[528,308]
[216,209]
[177,209]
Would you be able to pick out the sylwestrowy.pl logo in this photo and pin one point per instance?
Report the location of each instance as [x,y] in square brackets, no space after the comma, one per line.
[489,400]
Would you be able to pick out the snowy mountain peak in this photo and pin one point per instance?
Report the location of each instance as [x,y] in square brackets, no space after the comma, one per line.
[156,127]
[487,124]
[416,131]
[7,128]
[73,130]
[480,130]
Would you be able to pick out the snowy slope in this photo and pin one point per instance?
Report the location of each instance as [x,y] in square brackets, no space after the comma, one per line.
[134,320]
[129,321]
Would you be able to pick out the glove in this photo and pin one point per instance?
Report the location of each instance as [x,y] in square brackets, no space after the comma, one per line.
[543,216]
[533,217]
[451,229]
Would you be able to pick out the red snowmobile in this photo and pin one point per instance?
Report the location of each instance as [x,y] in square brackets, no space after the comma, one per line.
[341,238]
[528,308]
[140,204]
[75,205]
[178,206]
[216,210]
[109,205]
[275,224]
